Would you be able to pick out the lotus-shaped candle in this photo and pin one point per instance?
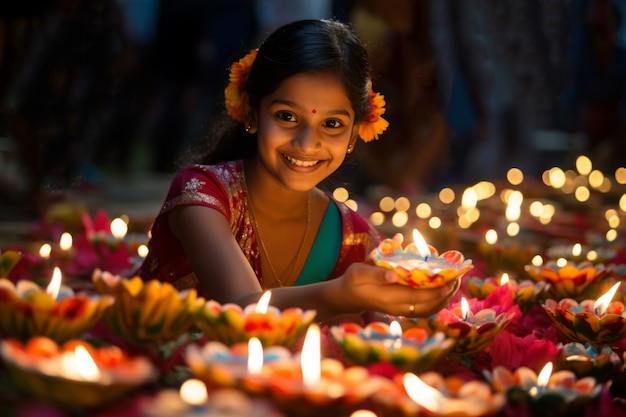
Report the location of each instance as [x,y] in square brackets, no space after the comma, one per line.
[230,323]
[430,394]
[147,312]
[525,293]
[558,393]
[76,374]
[27,310]
[587,360]
[599,322]
[577,281]
[413,350]
[300,384]
[473,331]
[419,264]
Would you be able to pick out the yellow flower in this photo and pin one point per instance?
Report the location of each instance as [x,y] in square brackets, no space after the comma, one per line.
[237,78]
[374,124]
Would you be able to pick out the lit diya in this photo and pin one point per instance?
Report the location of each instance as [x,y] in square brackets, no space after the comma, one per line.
[230,323]
[587,360]
[568,279]
[547,393]
[473,331]
[74,374]
[599,322]
[430,394]
[419,264]
[525,293]
[411,350]
[147,312]
[28,310]
[301,384]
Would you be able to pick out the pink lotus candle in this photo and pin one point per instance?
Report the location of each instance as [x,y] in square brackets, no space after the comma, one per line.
[411,350]
[27,310]
[599,322]
[230,324]
[418,264]
[75,374]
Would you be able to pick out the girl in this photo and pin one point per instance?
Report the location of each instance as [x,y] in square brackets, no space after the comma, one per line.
[250,217]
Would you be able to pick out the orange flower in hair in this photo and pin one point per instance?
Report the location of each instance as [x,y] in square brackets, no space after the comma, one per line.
[237,79]
[374,124]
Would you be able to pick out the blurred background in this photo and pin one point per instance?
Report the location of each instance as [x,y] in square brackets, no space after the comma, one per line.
[107,94]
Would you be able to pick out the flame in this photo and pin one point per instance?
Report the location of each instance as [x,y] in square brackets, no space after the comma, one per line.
[119,228]
[603,302]
[45,250]
[310,357]
[80,365]
[263,303]
[465,309]
[194,392]
[423,394]
[420,244]
[54,287]
[395,329]
[504,279]
[255,356]
[65,242]
[544,375]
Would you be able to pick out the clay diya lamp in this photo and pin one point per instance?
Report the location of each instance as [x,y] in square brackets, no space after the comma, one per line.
[588,360]
[526,293]
[576,281]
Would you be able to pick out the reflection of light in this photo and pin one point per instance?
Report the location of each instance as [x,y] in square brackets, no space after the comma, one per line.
[65,242]
[491,236]
[420,244]
[512,229]
[504,279]
[583,165]
[193,392]
[341,194]
[310,356]
[434,222]
[577,249]
[118,228]
[602,303]
[255,356]
[55,283]
[423,210]
[45,250]
[423,394]
[465,310]
[537,260]
[142,250]
[263,303]
[561,262]
[592,255]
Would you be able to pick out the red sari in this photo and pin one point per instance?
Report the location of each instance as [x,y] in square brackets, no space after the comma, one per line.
[222,187]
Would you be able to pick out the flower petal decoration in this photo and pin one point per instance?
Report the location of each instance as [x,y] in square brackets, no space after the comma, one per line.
[237,79]
[577,281]
[26,310]
[373,125]
[147,311]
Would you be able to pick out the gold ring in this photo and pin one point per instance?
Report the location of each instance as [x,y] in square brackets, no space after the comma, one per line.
[411,309]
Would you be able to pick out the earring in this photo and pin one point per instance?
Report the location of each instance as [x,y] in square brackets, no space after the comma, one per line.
[350,148]
[248,127]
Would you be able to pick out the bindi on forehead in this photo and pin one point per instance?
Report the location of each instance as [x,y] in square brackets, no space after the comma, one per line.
[313,111]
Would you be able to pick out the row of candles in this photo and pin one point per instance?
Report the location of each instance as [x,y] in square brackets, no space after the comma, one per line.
[457,330]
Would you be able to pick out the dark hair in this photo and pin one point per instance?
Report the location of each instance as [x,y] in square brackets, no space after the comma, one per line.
[310,46]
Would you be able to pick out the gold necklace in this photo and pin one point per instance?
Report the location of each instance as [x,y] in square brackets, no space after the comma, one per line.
[264,249]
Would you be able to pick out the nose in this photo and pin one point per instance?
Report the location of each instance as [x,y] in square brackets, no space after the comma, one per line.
[307,139]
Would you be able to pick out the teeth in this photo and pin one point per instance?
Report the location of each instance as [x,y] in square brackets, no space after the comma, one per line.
[300,163]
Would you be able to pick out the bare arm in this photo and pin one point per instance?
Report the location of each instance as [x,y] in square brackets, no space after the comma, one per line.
[225,274]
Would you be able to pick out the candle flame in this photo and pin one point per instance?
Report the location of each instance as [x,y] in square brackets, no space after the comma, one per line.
[395,329]
[310,357]
[54,287]
[577,249]
[544,375]
[45,250]
[423,394]
[80,365]
[504,279]
[194,392]
[255,356]
[65,242]
[465,309]
[603,302]
[263,303]
[119,228]
[420,244]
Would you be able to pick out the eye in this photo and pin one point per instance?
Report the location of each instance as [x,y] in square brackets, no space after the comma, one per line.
[286,116]
[333,123]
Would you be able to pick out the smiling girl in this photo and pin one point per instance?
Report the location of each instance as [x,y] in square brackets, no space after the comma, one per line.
[249,216]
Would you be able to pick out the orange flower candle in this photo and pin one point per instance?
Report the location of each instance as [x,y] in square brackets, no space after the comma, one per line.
[27,310]
[419,264]
[75,374]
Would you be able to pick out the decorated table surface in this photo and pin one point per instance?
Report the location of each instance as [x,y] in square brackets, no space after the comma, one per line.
[538,327]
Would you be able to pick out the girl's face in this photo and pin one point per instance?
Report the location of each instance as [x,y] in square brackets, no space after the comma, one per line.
[304,129]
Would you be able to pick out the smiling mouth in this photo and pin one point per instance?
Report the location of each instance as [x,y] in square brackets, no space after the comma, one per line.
[300,163]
